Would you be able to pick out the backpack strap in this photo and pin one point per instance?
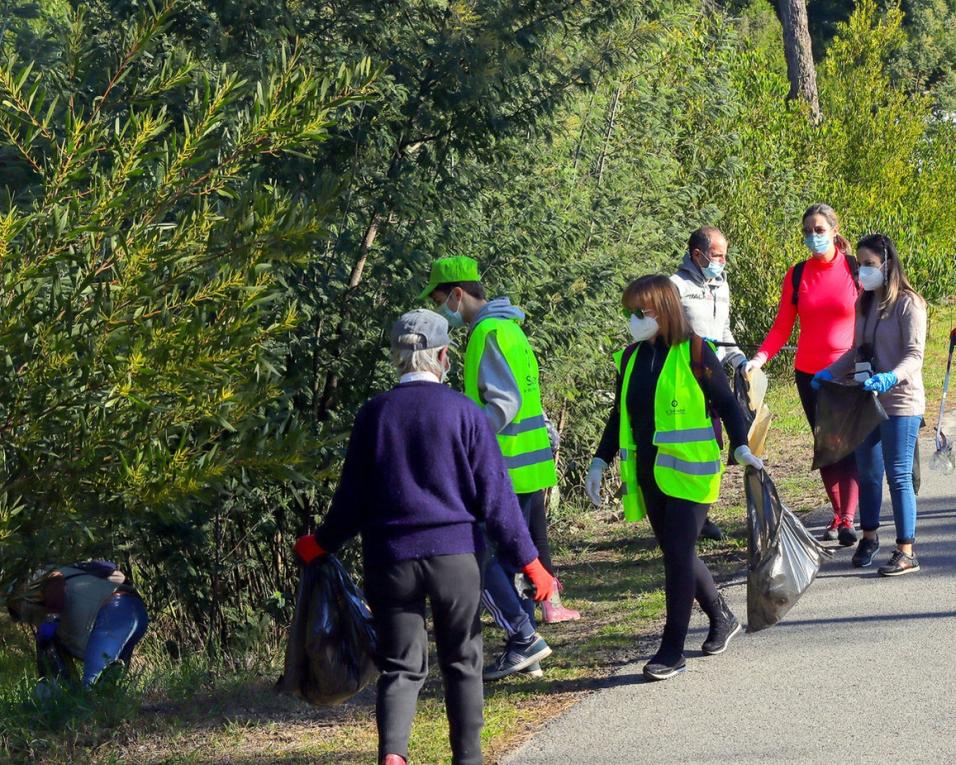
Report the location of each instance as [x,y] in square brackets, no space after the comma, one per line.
[701,371]
[697,357]
[795,278]
[852,264]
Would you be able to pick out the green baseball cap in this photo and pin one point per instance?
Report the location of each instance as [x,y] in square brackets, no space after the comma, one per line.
[460,268]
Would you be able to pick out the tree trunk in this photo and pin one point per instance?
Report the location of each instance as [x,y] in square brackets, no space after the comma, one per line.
[796,46]
[355,278]
[612,116]
[602,161]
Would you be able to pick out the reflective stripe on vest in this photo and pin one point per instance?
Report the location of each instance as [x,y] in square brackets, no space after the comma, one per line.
[687,436]
[524,441]
[688,464]
[691,468]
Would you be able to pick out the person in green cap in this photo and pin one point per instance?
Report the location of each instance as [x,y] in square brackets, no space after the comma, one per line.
[501,376]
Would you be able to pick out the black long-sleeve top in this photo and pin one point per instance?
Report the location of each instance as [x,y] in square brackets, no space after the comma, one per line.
[640,404]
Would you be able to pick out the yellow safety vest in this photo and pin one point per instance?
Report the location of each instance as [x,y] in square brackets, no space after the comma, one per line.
[688,464]
[524,441]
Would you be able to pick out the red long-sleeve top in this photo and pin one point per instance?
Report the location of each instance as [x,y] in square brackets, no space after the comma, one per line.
[826,306]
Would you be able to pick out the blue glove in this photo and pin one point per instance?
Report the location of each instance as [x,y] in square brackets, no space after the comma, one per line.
[47,631]
[823,374]
[881,382]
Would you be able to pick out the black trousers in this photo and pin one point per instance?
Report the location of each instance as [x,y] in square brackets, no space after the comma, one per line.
[397,595]
[676,524]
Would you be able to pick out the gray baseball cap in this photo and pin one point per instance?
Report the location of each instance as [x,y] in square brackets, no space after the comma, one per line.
[430,329]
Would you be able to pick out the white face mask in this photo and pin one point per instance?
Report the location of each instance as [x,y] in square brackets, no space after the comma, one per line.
[445,369]
[871,278]
[642,329]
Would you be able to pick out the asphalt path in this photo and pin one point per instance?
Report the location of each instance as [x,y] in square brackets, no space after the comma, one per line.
[861,670]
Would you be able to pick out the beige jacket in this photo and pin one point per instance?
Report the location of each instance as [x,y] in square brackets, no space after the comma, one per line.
[897,340]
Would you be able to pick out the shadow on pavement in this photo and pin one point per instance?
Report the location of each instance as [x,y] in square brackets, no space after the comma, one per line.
[865,619]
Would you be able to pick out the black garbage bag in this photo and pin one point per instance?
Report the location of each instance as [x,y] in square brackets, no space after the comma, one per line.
[783,557]
[330,653]
[845,415]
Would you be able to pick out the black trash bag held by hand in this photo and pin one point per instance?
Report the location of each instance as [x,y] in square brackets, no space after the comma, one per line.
[330,653]
[783,557]
[845,415]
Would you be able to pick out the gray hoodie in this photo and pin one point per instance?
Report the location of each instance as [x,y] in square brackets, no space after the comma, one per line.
[707,307]
[497,387]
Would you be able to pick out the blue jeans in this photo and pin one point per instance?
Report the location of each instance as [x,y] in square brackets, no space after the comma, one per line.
[119,626]
[889,448]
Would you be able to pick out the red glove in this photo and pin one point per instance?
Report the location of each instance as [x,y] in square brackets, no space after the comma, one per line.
[543,581]
[307,549]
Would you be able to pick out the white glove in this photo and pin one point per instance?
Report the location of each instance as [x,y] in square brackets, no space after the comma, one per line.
[592,484]
[755,363]
[744,456]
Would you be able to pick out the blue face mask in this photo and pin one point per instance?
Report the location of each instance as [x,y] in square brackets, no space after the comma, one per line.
[713,269]
[818,244]
[453,318]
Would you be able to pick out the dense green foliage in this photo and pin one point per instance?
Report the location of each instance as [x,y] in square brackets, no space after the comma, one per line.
[211,213]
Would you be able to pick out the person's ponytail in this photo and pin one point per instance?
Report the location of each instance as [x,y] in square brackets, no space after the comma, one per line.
[842,244]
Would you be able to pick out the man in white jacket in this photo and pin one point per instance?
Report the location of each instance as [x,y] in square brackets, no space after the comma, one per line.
[705,296]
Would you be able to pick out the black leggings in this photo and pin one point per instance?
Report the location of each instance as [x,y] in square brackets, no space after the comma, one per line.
[676,524]
[538,526]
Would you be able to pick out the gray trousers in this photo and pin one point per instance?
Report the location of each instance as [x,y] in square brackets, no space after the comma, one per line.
[397,594]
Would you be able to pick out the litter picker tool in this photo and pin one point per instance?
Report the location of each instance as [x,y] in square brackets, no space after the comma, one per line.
[943,460]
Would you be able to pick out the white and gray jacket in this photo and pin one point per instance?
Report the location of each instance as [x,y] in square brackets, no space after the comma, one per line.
[707,308]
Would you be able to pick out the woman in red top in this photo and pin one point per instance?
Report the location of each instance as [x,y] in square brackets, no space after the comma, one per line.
[825,303]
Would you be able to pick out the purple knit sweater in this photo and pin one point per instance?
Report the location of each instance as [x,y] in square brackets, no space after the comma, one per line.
[423,468]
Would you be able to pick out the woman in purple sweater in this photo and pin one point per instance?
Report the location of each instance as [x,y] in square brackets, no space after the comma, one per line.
[890,335]
[423,468]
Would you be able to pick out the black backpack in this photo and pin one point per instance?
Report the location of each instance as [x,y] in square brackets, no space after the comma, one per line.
[797,275]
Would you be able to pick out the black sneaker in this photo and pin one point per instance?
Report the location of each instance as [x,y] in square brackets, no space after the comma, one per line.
[846,534]
[516,657]
[533,670]
[900,563]
[721,631]
[656,669]
[865,551]
[711,530]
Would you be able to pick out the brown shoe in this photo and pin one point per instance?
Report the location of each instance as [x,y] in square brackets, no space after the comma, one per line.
[900,563]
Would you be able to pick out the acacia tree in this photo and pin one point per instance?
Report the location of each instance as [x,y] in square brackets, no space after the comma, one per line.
[140,255]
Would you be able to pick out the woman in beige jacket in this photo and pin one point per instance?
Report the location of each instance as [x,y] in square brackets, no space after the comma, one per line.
[890,336]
